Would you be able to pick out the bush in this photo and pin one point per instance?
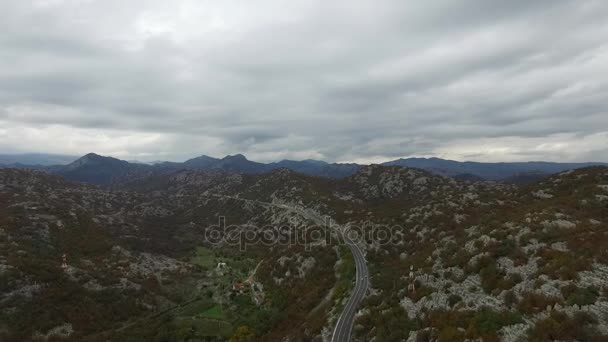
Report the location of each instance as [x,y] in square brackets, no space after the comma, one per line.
[460,325]
[560,327]
[449,334]
[454,299]
[562,265]
[420,292]
[242,334]
[514,279]
[580,296]
[492,278]
[510,299]
[504,248]
[486,323]
[532,303]
[424,336]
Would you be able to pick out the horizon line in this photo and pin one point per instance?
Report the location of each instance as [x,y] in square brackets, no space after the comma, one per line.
[425,157]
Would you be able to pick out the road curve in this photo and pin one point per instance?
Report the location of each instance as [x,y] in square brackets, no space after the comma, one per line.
[344,325]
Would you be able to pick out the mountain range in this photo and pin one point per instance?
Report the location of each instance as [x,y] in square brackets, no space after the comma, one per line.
[101,170]
[42,159]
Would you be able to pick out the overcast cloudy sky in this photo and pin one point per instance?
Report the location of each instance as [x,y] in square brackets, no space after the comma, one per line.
[348,80]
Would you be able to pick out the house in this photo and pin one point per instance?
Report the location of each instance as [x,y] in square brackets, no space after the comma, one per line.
[239,287]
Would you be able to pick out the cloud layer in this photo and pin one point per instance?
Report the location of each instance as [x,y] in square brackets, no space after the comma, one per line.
[340,80]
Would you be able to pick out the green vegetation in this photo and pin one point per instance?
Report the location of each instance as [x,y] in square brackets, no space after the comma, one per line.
[494,280]
[561,327]
[580,296]
[204,257]
[346,272]
[192,328]
[454,299]
[390,322]
[421,292]
[461,325]
[532,303]
[487,322]
[562,265]
[214,313]
[242,334]
[510,299]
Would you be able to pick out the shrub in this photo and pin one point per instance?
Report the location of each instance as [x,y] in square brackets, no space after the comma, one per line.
[458,258]
[580,296]
[492,278]
[504,248]
[532,303]
[515,278]
[424,336]
[510,299]
[449,334]
[440,319]
[454,299]
[525,239]
[242,334]
[560,327]
[486,323]
[538,283]
[420,292]
[562,265]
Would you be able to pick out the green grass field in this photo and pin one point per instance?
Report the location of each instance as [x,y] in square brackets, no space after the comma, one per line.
[204,327]
[204,257]
[214,312]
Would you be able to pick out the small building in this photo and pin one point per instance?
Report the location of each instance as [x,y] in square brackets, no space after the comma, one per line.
[239,287]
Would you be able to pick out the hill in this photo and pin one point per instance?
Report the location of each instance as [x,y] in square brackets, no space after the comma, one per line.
[490,261]
[40,159]
[488,171]
[96,169]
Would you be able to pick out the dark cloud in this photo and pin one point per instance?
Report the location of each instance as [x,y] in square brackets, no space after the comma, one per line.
[341,81]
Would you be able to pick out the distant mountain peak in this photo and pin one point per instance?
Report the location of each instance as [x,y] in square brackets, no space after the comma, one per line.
[94,156]
[236,157]
[94,160]
[204,157]
[314,161]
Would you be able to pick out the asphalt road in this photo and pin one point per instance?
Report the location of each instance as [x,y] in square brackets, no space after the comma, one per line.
[344,326]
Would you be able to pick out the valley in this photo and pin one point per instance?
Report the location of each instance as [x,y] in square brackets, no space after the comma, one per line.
[138,260]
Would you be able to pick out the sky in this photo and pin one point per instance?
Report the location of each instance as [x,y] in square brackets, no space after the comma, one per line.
[347,81]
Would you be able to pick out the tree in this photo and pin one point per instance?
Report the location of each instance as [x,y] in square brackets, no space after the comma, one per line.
[242,334]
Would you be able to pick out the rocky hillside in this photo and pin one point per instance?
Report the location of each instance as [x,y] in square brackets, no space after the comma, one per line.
[492,262]
[489,261]
[83,263]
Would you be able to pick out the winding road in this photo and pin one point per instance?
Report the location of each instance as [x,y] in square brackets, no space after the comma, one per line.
[344,325]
